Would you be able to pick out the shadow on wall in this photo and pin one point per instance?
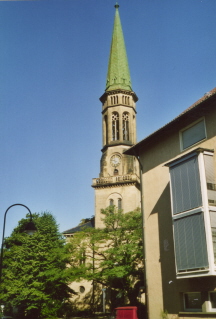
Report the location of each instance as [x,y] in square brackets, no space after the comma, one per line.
[167,259]
[172,288]
[88,303]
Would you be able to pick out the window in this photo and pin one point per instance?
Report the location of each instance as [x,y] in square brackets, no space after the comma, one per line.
[186,189]
[193,134]
[111,202]
[105,129]
[213,230]
[193,197]
[125,100]
[114,100]
[115,126]
[83,258]
[119,203]
[115,172]
[125,126]
[210,179]
[192,301]
[212,298]
[190,243]
[82,289]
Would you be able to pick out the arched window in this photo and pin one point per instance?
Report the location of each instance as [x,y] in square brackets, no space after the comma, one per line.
[83,258]
[125,126]
[119,203]
[105,129]
[115,126]
[123,100]
[111,202]
[115,172]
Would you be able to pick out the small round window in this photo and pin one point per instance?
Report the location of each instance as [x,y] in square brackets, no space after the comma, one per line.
[82,289]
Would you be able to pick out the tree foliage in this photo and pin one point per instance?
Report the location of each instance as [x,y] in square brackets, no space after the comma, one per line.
[112,256]
[35,274]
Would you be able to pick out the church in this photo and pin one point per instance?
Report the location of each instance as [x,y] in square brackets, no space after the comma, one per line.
[118,183]
[172,172]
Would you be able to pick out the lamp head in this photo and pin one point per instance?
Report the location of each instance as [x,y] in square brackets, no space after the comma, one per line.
[30,228]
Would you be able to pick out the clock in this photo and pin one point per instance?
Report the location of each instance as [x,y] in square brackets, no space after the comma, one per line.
[115,160]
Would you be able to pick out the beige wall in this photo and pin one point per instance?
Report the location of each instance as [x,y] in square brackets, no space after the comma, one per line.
[130,200]
[164,289]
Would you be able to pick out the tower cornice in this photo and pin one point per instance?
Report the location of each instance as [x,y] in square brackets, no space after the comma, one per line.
[114,181]
[117,143]
[112,106]
[117,91]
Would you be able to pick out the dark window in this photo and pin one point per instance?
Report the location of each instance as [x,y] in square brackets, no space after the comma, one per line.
[192,301]
[115,126]
[111,202]
[115,172]
[213,299]
[119,203]
[190,242]
[82,289]
[185,181]
[125,126]
[193,134]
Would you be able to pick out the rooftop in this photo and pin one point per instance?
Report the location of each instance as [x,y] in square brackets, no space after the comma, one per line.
[194,107]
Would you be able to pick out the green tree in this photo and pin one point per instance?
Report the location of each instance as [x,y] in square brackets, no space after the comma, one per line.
[112,256]
[35,273]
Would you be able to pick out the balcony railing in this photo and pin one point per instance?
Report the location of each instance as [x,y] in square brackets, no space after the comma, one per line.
[118,179]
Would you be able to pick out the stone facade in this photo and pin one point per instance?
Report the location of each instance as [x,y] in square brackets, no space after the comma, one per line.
[118,182]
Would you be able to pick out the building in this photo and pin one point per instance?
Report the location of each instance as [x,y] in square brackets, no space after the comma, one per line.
[178,165]
[118,182]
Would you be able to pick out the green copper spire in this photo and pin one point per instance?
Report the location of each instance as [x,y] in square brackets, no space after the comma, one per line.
[118,75]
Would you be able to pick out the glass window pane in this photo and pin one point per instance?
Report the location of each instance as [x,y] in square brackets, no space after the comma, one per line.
[185,181]
[193,301]
[193,134]
[213,228]
[119,203]
[190,242]
[213,299]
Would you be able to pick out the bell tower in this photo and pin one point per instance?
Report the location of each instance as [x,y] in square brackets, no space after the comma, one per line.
[118,181]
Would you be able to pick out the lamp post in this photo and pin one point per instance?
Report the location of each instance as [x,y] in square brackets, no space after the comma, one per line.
[29,229]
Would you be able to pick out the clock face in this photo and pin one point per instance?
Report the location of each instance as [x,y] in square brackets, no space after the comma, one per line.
[115,160]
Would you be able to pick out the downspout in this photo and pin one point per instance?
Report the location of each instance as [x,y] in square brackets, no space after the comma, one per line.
[143,232]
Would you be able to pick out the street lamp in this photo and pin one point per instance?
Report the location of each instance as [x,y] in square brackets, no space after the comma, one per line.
[29,229]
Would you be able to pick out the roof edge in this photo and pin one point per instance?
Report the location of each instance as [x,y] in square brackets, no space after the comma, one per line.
[207,96]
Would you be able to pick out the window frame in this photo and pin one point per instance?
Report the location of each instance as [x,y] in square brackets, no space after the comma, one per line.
[188,127]
[115,126]
[192,309]
[211,309]
[205,208]
[126,126]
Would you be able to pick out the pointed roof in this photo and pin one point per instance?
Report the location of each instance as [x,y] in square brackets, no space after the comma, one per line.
[79,228]
[118,75]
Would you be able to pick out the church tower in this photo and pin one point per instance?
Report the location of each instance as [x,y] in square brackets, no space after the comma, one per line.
[118,182]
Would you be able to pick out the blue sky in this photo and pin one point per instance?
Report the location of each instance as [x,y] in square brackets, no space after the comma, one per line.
[53,62]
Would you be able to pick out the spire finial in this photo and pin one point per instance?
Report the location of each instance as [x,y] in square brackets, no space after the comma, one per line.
[116,5]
